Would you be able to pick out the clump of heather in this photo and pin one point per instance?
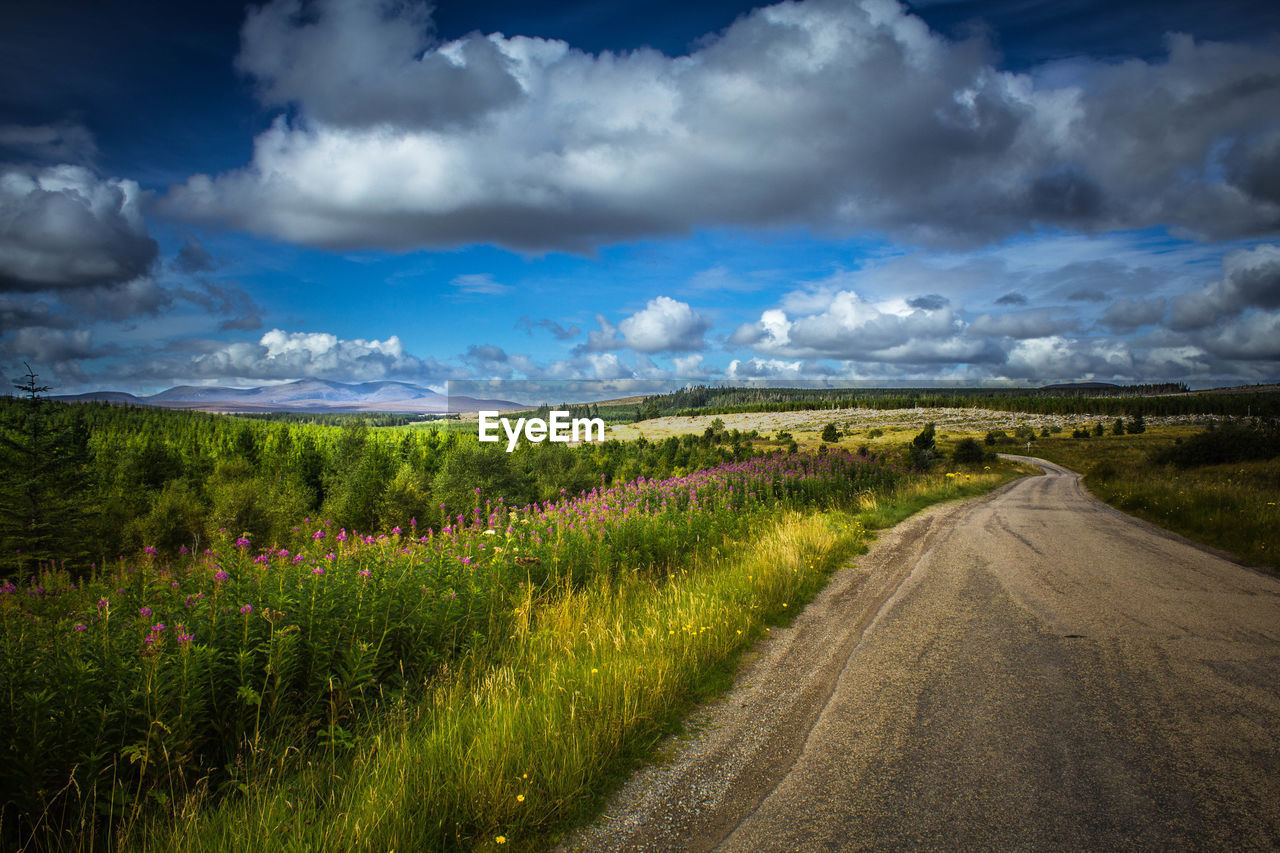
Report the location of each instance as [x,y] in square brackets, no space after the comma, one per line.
[151,680]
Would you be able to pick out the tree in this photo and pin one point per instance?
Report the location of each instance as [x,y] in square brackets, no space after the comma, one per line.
[1098,430]
[830,433]
[44,460]
[1118,427]
[924,441]
[1136,424]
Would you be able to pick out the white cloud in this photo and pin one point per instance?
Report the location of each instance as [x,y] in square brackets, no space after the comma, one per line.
[479,284]
[843,114]
[281,355]
[664,325]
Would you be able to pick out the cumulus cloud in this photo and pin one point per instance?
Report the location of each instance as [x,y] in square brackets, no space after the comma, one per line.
[842,114]
[1251,278]
[839,323]
[62,227]
[664,325]
[139,297]
[1057,359]
[281,356]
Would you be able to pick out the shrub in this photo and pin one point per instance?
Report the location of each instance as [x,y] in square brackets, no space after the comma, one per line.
[1229,443]
[830,433]
[967,451]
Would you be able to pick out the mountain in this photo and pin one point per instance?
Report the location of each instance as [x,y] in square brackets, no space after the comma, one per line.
[304,395]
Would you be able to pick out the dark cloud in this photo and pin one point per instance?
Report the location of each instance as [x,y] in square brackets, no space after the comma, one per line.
[372,64]
[140,297]
[1012,299]
[560,333]
[1125,315]
[248,322]
[1251,279]
[62,227]
[1032,323]
[194,258]
[1087,294]
[18,312]
[486,353]
[858,117]
[49,143]
[929,302]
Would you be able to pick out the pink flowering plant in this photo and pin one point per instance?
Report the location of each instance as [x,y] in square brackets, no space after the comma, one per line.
[155,678]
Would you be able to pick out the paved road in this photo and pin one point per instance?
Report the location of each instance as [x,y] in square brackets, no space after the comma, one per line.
[1030,670]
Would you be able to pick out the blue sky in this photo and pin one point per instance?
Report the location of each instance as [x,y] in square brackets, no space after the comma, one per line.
[976,192]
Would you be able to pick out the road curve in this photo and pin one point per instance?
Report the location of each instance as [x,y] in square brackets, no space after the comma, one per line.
[1031,669]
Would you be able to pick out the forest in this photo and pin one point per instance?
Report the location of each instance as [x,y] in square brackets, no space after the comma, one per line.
[84,483]
[1146,400]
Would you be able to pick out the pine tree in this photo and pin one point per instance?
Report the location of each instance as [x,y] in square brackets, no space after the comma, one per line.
[42,493]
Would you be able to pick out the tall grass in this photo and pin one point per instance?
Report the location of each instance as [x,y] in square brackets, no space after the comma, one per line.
[151,686]
[508,751]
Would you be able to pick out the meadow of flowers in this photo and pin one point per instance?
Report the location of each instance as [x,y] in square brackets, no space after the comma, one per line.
[128,691]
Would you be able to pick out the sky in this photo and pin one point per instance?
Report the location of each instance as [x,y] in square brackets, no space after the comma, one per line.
[977,192]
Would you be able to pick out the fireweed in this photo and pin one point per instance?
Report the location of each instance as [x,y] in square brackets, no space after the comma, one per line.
[113,715]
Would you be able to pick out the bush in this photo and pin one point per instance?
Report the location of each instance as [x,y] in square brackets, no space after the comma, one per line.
[1229,443]
[830,433]
[925,440]
[967,451]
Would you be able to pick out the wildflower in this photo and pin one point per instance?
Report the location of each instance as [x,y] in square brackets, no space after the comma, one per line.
[519,798]
[298,559]
[317,571]
[395,531]
[490,532]
[184,550]
[319,534]
[330,556]
[220,575]
[342,535]
[184,636]
[501,839]
[150,549]
[144,611]
[246,609]
[242,542]
[261,558]
[80,627]
[103,604]
[364,573]
[157,628]
[466,561]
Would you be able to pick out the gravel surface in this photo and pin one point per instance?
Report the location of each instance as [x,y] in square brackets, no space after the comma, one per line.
[1031,669]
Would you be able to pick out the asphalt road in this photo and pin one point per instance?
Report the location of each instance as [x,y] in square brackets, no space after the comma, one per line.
[1028,670]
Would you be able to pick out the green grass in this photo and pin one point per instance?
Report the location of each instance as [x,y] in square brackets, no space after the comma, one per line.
[525,742]
[1231,507]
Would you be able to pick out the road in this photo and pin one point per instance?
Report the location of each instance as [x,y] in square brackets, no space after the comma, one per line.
[1027,670]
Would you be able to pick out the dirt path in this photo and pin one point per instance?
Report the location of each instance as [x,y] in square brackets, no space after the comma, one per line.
[1031,669]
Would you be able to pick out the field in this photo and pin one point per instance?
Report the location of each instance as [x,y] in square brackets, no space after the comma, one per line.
[506,653]
[296,688]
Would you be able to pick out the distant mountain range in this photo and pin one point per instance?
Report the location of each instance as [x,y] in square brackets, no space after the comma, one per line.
[304,395]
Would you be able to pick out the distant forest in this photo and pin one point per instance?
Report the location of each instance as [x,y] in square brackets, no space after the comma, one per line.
[1146,400]
[87,482]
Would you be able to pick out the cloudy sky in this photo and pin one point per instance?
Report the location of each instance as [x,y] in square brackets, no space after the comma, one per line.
[998,191]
